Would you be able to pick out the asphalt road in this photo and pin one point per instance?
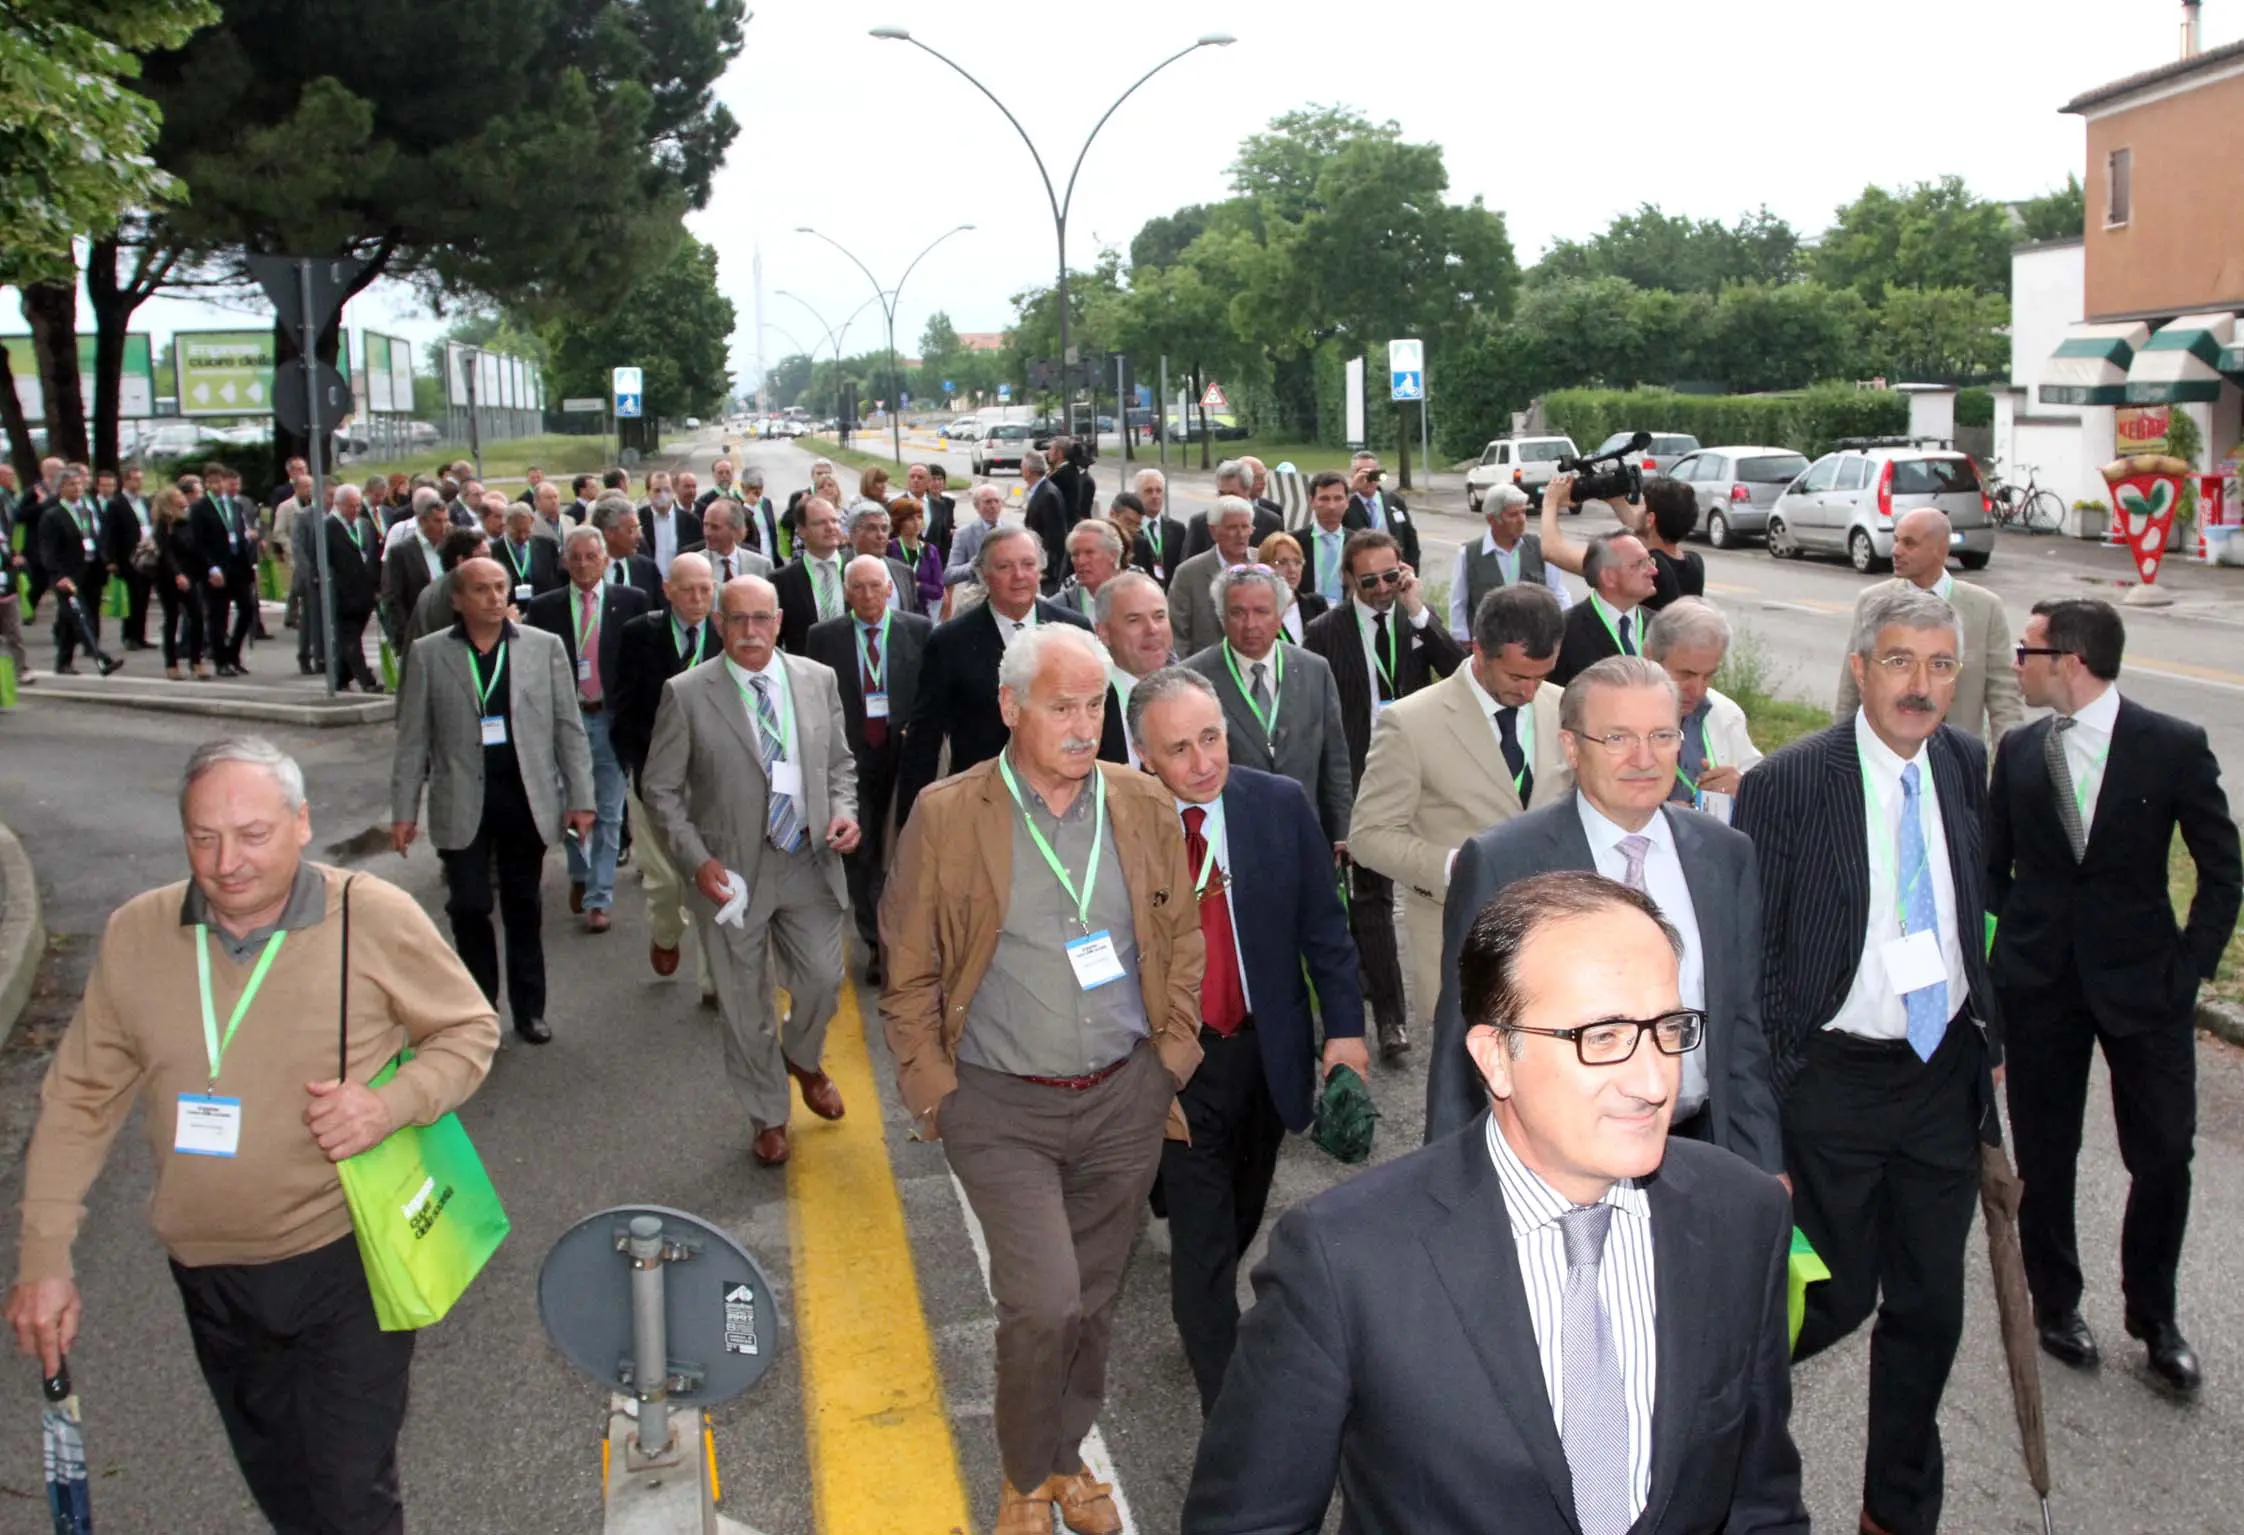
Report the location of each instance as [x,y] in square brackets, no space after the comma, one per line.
[629,1104]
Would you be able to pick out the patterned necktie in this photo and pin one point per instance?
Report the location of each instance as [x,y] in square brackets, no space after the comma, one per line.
[823,579]
[1628,641]
[724,568]
[1261,690]
[1927,1006]
[2061,780]
[876,730]
[785,820]
[1223,1001]
[1634,849]
[588,644]
[1595,1415]
[1515,759]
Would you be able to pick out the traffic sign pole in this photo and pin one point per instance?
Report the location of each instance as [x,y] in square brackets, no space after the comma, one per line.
[316,445]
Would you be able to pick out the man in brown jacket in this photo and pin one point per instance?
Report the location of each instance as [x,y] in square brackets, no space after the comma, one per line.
[1044,957]
[246,1131]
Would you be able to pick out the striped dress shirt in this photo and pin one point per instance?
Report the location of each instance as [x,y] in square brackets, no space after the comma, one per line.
[1624,1287]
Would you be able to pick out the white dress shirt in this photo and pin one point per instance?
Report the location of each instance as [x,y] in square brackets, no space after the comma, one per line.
[1873,1009]
[1374,659]
[428,552]
[774,674]
[1671,893]
[1613,617]
[1220,845]
[1289,624]
[1007,628]
[665,525]
[1122,682]
[2087,745]
[1625,1288]
[1460,590]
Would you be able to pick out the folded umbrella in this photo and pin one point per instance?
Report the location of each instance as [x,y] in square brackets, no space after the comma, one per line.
[1999,1192]
[68,1500]
[1346,1117]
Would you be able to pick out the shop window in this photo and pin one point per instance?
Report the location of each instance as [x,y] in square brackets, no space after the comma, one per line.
[2119,187]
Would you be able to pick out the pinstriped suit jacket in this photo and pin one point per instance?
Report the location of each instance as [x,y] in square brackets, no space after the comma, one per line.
[1802,806]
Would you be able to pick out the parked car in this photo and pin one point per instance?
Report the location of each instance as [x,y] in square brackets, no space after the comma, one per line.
[1528,462]
[964,429]
[1846,503]
[1661,456]
[693,423]
[171,439]
[1002,446]
[1736,487]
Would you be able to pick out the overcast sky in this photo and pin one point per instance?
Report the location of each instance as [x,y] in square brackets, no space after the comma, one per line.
[1560,116]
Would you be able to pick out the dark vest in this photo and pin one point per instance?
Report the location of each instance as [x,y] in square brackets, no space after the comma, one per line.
[1484,572]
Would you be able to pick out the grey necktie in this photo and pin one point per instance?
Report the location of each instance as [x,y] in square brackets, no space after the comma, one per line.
[1261,688]
[2061,781]
[1634,849]
[1596,1409]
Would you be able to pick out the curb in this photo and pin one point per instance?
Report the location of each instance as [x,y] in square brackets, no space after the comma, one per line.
[2222,1020]
[23,933]
[319,716]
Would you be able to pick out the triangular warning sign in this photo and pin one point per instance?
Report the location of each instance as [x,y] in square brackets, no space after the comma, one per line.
[739,1295]
[1214,398]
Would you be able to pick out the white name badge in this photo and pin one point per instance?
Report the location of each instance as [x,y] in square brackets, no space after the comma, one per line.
[876,706]
[1914,962]
[207,1126]
[787,779]
[524,591]
[1716,805]
[494,730]
[89,543]
[1096,964]
[584,668]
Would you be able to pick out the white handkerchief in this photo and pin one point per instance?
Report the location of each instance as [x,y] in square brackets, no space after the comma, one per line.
[736,901]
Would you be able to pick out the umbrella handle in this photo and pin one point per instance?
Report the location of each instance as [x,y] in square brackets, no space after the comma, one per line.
[57,1386]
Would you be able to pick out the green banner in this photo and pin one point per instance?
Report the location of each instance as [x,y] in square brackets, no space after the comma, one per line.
[224,372]
[136,397]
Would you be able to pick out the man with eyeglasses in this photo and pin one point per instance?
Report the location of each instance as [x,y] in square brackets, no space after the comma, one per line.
[1987,699]
[1466,1339]
[2085,806]
[1621,574]
[1618,724]
[1883,1027]
[810,588]
[1383,646]
[1194,616]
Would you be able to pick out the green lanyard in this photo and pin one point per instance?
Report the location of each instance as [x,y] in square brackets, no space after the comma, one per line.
[1387,670]
[521,562]
[588,620]
[678,638]
[1082,898]
[368,548]
[1277,688]
[2081,787]
[1597,605]
[864,658]
[82,515]
[475,670]
[1706,759]
[214,1044]
[781,710]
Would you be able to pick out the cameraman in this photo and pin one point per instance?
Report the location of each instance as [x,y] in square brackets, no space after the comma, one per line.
[1668,512]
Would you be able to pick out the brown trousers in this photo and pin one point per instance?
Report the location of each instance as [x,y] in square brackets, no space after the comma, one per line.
[1058,1180]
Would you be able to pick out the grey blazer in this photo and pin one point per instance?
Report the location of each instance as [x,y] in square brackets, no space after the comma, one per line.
[1309,745]
[1725,885]
[1194,623]
[440,742]
[745,561]
[704,781]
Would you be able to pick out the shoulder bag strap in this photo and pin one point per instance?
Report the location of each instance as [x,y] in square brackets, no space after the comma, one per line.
[343,1008]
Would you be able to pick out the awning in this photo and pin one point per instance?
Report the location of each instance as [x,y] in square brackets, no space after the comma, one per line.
[2090,365]
[2182,363]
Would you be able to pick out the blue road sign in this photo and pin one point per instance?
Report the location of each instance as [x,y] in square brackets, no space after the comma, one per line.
[630,392]
[1004,392]
[949,387]
[1406,370]
[627,405]
[1407,386]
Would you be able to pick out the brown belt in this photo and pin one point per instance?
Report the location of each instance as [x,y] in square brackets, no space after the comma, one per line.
[594,707]
[1081,1084]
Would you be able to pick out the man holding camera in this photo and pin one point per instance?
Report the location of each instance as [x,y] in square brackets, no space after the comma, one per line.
[1371,507]
[1621,574]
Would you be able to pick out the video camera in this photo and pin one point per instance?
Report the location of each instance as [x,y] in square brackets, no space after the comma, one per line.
[1623,477]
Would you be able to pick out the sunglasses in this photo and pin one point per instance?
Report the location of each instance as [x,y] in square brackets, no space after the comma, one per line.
[2024,651]
[1378,578]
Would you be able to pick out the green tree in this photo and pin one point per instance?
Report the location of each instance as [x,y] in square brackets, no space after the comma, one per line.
[1161,240]
[2059,214]
[1941,334]
[674,324]
[1279,168]
[1653,249]
[787,380]
[501,331]
[1764,337]
[1935,234]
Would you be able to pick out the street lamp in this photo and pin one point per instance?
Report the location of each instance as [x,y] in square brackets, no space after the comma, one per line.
[833,339]
[1059,204]
[889,299]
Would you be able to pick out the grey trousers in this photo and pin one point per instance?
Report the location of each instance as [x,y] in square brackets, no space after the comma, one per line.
[1058,1180]
[803,937]
[11,627]
[665,888]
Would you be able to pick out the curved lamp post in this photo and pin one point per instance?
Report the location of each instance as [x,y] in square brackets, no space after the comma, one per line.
[888,298]
[833,339]
[1060,204]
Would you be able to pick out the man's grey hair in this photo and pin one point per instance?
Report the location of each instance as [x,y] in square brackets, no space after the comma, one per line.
[878,562]
[728,506]
[1612,672]
[1031,648]
[1227,507]
[1155,476]
[1000,534]
[521,509]
[986,488]
[348,498]
[1108,535]
[1689,622]
[866,512]
[1598,557]
[1032,459]
[255,750]
[610,510]
[1232,577]
[1232,469]
[426,500]
[751,478]
[1158,686]
[581,532]
[1909,607]
[1124,582]
[1502,499]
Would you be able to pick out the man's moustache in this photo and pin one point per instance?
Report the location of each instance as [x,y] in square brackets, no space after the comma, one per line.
[1917,703]
[1078,744]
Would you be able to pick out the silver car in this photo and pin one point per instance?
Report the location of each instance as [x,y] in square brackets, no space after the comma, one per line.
[1735,488]
[1847,501]
[1661,456]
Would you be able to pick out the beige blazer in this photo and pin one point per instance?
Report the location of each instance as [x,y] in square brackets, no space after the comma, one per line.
[440,737]
[1194,623]
[704,781]
[1434,777]
[1987,699]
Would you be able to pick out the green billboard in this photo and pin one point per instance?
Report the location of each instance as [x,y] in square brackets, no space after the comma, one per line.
[136,396]
[224,372]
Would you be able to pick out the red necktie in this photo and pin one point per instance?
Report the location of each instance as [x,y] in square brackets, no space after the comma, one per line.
[1223,1001]
[876,730]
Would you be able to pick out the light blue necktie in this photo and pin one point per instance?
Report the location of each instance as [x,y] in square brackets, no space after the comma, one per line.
[785,822]
[1328,567]
[1927,1005]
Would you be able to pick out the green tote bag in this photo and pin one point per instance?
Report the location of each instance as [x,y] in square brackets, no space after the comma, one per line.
[425,1213]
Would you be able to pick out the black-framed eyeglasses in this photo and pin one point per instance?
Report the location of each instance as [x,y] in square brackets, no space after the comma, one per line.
[1372,580]
[2023,651]
[1612,1041]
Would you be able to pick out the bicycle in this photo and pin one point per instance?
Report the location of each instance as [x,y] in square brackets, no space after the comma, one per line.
[2026,506]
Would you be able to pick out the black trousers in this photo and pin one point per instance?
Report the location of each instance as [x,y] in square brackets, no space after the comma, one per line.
[501,868]
[311,1390]
[311,632]
[2052,1037]
[1371,920]
[1215,1189]
[1884,1154]
[137,588]
[866,870]
[229,612]
[183,623]
[69,635]
[350,645]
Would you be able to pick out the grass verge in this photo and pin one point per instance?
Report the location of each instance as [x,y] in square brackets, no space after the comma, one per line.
[850,458]
[555,453]
[2181,886]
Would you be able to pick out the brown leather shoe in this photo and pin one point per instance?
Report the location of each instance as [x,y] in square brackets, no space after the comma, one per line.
[576,897]
[1086,1504]
[1026,1513]
[596,920]
[771,1146]
[665,961]
[820,1095]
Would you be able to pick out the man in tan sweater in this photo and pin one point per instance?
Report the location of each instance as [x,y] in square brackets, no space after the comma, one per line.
[215,1004]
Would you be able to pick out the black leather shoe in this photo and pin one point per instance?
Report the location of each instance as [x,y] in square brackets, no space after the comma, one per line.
[534,1031]
[2065,1337]
[111,664]
[873,972]
[1394,1041]
[2171,1358]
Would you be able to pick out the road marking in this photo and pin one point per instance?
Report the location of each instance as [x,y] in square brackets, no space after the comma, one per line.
[2190,671]
[881,1454]
[1728,590]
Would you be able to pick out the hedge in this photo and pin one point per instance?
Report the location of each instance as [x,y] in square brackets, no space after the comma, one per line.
[1807,421]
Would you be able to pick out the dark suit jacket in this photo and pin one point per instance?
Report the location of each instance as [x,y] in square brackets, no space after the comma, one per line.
[2103,928]
[647,656]
[957,698]
[555,613]
[1197,537]
[211,522]
[1584,640]
[1171,547]
[1309,744]
[1050,515]
[689,528]
[798,601]
[356,574]
[834,643]
[1726,900]
[942,518]
[1390,1349]
[642,576]
[1399,522]
[1809,831]
[62,547]
[1292,934]
[120,530]
[1421,656]
[405,575]
[543,560]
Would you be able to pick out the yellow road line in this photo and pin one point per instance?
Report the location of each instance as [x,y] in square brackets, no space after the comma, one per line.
[1728,590]
[882,1459]
[2188,669]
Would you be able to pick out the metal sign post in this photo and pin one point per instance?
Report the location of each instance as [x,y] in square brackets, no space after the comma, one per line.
[316,432]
